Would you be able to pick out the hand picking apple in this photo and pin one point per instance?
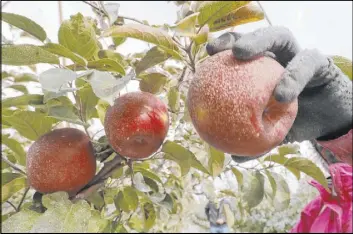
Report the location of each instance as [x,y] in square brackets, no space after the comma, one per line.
[323,93]
[245,103]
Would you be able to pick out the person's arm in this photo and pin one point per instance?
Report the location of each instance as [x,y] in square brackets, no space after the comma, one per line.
[324,92]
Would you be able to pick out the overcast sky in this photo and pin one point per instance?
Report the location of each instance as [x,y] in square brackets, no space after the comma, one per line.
[323,25]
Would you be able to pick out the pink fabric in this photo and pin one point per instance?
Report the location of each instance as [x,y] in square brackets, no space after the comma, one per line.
[329,213]
[340,147]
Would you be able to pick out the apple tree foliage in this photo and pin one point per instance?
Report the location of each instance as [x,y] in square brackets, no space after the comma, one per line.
[85,73]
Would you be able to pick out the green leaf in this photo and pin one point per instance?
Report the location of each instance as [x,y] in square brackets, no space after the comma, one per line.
[173,99]
[272,183]
[145,33]
[12,187]
[102,108]
[16,147]
[308,167]
[186,26]
[288,149]
[56,79]
[96,223]
[153,82]
[78,35]
[64,52]
[215,160]
[19,55]
[246,14]
[254,193]
[169,203]
[228,193]
[281,200]
[153,57]
[150,216]
[139,183]
[96,199]
[281,159]
[119,58]
[23,100]
[127,199]
[178,154]
[21,222]
[25,24]
[20,88]
[136,222]
[202,36]
[106,86]
[7,177]
[118,173]
[110,195]
[107,64]
[63,216]
[152,184]
[344,64]
[30,124]
[195,163]
[87,101]
[239,177]
[26,77]
[118,40]
[65,113]
[148,173]
[212,10]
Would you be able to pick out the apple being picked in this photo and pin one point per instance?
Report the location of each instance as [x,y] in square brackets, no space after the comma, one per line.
[136,125]
[232,106]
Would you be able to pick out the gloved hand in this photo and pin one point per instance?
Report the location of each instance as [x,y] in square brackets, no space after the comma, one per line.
[324,93]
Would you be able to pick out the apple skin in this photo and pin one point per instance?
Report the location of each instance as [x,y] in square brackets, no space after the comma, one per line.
[136,125]
[232,107]
[61,160]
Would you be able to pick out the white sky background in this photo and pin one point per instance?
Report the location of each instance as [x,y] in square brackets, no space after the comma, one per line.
[323,25]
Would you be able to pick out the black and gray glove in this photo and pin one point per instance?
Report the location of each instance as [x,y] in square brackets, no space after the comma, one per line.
[324,93]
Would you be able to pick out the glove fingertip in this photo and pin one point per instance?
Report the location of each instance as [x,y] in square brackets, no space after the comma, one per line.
[210,49]
[286,90]
[243,50]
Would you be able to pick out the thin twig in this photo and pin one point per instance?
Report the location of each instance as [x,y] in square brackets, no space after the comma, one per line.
[60,8]
[103,13]
[129,163]
[266,15]
[13,206]
[13,165]
[23,198]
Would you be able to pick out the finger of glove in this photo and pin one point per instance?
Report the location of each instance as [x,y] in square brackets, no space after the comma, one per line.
[299,72]
[278,40]
[224,42]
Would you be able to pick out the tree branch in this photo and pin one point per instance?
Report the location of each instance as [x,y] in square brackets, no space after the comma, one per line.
[13,206]
[22,199]
[103,13]
[266,16]
[13,165]
[98,181]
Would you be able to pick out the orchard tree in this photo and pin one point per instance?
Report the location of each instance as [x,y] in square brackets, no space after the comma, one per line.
[86,79]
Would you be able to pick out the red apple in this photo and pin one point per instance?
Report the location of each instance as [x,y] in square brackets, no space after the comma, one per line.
[136,125]
[232,107]
[61,160]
